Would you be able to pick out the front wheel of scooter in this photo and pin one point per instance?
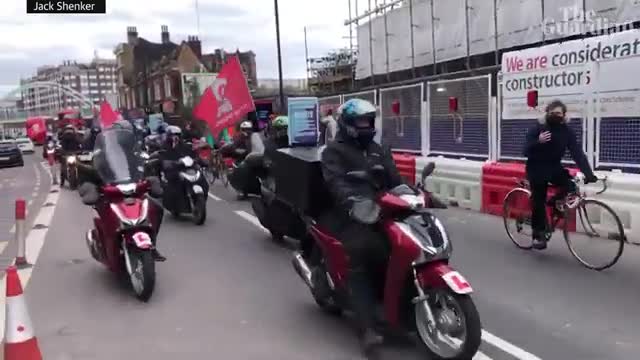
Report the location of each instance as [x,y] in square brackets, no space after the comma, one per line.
[199,209]
[141,267]
[457,332]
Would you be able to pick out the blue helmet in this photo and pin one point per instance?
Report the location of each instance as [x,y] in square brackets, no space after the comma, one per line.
[350,119]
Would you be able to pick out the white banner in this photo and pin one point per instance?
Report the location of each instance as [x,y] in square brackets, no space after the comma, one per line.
[363,64]
[450,29]
[379,46]
[613,12]
[562,18]
[422,33]
[573,71]
[399,26]
[519,22]
[481,27]
[194,84]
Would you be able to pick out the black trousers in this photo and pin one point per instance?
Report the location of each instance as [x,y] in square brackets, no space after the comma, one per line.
[539,187]
[368,250]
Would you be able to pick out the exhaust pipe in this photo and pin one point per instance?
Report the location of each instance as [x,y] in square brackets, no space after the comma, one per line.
[301,267]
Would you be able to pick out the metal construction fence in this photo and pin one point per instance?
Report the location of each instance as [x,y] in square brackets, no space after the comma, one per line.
[419,119]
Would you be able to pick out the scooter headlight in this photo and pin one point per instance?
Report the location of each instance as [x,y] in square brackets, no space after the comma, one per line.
[71,160]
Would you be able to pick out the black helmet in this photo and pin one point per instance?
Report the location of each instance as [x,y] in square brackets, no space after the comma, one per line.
[356,119]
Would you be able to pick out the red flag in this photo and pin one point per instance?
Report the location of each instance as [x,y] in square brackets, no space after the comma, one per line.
[227,100]
[107,115]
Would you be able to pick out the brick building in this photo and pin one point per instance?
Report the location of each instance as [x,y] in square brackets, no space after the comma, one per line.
[150,74]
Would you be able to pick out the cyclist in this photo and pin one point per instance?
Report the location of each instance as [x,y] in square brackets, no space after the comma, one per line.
[546,144]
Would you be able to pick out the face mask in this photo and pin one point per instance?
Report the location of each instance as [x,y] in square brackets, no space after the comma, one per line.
[555,119]
[365,137]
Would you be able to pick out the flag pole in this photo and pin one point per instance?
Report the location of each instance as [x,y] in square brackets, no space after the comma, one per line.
[197,19]
[275,3]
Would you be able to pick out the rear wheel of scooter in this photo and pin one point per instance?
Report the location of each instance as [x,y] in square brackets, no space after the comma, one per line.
[457,332]
[322,293]
[142,273]
[199,209]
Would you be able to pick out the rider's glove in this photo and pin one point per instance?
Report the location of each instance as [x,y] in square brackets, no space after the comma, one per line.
[365,211]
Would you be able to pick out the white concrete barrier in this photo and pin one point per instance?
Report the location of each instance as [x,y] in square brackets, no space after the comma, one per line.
[623,196]
[458,182]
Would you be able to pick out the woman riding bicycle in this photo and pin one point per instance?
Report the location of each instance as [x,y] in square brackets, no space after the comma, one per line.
[546,144]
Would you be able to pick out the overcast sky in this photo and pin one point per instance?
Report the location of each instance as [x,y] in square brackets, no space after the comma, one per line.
[29,41]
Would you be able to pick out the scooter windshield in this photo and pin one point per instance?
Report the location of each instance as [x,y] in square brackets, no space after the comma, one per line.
[115,157]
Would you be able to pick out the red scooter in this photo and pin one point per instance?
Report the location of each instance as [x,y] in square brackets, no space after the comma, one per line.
[420,291]
[126,221]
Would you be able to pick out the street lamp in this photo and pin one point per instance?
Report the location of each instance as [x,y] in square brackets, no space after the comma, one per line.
[275,3]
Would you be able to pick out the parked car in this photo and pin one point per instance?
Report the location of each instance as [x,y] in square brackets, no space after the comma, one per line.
[25,145]
[10,154]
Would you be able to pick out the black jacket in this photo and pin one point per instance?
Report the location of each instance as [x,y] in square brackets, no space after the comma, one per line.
[344,155]
[69,142]
[545,160]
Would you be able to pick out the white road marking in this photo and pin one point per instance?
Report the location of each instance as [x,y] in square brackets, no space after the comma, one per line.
[34,243]
[13,229]
[3,245]
[489,338]
[252,219]
[214,197]
[507,347]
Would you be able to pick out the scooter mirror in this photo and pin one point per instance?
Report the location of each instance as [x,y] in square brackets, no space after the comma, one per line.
[428,170]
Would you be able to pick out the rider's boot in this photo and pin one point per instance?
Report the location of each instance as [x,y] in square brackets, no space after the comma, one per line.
[157,256]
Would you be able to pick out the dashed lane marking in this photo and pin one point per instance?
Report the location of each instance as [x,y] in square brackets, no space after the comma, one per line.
[487,337]
[214,197]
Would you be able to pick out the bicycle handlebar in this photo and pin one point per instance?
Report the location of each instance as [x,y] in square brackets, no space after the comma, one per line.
[604,185]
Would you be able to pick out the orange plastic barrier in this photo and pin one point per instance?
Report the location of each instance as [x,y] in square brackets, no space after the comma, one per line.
[498,179]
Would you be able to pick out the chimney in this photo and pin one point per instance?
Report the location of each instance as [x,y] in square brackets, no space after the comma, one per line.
[132,35]
[195,45]
[164,34]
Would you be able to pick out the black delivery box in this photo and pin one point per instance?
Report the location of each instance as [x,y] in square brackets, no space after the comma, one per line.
[298,178]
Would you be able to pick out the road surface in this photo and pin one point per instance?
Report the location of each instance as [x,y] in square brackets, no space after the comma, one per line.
[227,292]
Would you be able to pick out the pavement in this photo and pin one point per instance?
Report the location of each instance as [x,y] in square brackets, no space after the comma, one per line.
[228,292]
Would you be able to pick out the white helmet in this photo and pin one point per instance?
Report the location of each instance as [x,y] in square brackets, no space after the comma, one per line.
[173,130]
[246,125]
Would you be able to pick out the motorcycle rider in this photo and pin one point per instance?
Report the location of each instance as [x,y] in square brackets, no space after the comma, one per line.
[189,132]
[355,150]
[49,142]
[241,145]
[546,144]
[69,143]
[93,182]
[90,141]
[175,149]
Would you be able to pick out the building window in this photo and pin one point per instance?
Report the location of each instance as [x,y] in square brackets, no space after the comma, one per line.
[156,89]
[167,86]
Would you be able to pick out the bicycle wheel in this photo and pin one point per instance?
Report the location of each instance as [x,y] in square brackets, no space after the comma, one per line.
[516,213]
[599,238]
[223,173]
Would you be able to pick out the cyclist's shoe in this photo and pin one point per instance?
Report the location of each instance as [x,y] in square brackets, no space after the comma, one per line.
[540,240]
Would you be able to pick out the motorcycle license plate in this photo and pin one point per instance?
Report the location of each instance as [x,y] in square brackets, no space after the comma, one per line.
[198,189]
[4,158]
[84,158]
[142,240]
[457,282]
